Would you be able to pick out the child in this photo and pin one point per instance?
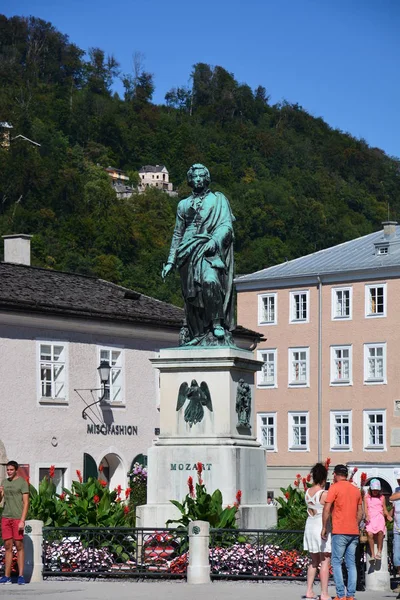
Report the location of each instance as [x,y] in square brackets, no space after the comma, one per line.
[375,513]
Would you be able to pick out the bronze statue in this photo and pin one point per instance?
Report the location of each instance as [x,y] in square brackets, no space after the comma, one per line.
[198,397]
[202,251]
[243,406]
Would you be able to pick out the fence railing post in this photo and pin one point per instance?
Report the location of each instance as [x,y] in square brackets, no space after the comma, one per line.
[377,576]
[199,562]
[33,546]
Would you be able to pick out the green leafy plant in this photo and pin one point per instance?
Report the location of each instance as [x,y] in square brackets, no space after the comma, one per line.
[199,505]
[89,504]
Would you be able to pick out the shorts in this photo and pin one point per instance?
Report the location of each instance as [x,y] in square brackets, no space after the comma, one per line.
[9,529]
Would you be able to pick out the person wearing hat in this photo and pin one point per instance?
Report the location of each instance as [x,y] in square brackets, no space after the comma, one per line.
[375,513]
[344,504]
[395,499]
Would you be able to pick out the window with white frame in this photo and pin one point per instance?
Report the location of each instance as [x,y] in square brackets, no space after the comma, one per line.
[267,377]
[267,309]
[114,387]
[266,430]
[341,303]
[374,430]
[299,366]
[299,310]
[52,370]
[375,363]
[58,476]
[375,300]
[341,426]
[341,365]
[298,431]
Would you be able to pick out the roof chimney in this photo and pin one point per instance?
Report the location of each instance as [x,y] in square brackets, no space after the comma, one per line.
[389,228]
[17,249]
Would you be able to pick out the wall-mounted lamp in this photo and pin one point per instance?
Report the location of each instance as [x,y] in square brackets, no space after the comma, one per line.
[104,373]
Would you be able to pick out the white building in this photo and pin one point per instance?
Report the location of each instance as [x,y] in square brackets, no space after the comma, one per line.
[55,328]
[155,176]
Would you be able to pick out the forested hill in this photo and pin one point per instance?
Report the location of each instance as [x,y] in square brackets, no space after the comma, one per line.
[295,184]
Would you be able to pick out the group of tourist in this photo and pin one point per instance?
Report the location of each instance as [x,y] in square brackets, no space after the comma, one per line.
[332,528]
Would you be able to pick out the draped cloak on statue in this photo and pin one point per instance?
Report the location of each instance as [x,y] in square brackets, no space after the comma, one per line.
[207,280]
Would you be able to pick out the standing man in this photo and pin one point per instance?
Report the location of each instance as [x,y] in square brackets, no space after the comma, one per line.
[395,499]
[15,491]
[345,503]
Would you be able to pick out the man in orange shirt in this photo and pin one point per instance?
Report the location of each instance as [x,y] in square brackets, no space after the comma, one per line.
[345,503]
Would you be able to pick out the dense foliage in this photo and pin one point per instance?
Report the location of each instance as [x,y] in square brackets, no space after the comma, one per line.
[87,504]
[296,185]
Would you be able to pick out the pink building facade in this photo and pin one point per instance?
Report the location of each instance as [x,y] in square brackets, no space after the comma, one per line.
[330,383]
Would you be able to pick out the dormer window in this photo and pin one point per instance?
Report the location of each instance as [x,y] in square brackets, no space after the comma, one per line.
[383,250]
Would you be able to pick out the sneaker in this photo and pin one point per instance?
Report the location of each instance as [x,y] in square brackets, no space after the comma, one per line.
[21,580]
[350,598]
[5,580]
[396,590]
[337,598]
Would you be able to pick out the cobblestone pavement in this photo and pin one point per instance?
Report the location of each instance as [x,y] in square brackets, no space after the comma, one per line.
[167,590]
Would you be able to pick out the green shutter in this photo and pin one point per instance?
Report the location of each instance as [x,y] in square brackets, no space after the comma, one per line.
[89,467]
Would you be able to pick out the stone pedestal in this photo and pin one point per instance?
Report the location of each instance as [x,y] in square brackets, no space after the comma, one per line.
[199,563]
[231,456]
[377,576]
[33,546]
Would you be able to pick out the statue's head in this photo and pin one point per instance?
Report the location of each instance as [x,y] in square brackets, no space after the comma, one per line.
[195,172]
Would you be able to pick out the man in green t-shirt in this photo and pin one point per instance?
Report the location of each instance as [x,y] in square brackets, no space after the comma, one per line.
[15,491]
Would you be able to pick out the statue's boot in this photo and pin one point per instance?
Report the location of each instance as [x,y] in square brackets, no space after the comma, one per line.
[219,332]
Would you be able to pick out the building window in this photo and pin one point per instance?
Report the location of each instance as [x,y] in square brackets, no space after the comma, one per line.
[267,309]
[58,478]
[383,250]
[341,430]
[266,430]
[299,364]
[374,430]
[299,307]
[298,431]
[113,389]
[375,300]
[341,365]
[267,376]
[52,370]
[341,303]
[375,363]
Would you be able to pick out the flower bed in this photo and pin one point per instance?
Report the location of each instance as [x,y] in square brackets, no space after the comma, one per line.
[72,556]
[269,561]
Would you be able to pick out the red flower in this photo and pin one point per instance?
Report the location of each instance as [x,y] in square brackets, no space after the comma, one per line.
[101,468]
[304,480]
[355,470]
[296,483]
[363,479]
[127,492]
[102,482]
[126,510]
[238,496]
[62,496]
[96,499]
[298,476]
[118,500]
[190,486]
[199,468]
[119,490]
[51,471]
[287,495]
[308,478]
[327,463]
[79,475]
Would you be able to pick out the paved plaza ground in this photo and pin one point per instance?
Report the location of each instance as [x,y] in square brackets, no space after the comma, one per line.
[167,590]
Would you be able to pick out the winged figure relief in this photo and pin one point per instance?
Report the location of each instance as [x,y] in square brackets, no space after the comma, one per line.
[198,396]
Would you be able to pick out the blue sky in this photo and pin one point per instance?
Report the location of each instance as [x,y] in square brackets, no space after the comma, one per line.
[339,59]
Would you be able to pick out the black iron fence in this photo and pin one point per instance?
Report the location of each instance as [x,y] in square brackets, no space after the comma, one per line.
[110,552]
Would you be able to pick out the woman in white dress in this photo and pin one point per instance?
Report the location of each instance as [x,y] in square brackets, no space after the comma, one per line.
[319,549]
